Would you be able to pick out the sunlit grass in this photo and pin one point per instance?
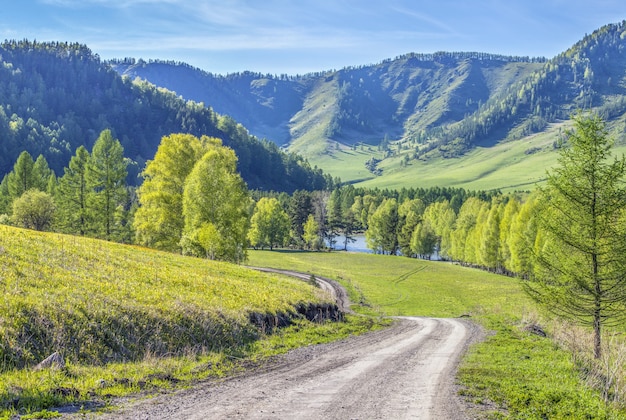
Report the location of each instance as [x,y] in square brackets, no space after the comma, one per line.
[129,319]
[406,286]
[512,374]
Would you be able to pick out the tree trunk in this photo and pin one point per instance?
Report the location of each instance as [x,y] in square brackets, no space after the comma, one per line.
[597,339]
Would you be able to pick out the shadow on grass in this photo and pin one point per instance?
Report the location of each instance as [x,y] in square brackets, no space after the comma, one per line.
[297,251]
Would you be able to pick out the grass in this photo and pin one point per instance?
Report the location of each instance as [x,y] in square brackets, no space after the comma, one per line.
[129,319]
[509,166]
[512,374]
[403,286]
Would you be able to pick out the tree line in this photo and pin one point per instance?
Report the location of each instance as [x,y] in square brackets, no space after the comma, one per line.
[566,239]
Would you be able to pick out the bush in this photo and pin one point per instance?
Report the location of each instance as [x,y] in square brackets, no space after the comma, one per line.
[34,210]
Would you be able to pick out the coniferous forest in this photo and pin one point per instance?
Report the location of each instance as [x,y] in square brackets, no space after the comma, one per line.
[59,96]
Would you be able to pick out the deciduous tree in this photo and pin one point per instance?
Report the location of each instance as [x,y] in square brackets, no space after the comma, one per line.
[34,210]
[215,193]
[106,180]
[159,220]
[269,225]
[583,274]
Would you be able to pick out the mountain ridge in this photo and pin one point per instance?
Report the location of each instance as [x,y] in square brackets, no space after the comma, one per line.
[420,106]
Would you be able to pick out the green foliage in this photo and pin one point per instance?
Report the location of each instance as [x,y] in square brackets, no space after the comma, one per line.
[269,225]
[582,261]
[215,193]
[34,210]
[381,234]
[311,234]
[60,96]
[423,240]
[72,195]
[22,178]
[159,220]
[106,180]
[299,209]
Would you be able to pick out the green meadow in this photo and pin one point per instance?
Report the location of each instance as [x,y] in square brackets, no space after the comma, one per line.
[130,320]
[511,374]
[509,166]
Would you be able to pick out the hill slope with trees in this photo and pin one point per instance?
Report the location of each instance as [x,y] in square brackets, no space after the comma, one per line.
[55,97]
[416,106]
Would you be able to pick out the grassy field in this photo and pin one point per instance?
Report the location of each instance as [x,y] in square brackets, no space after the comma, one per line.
[129,319]
[509,166]
[404,286]
[512,374]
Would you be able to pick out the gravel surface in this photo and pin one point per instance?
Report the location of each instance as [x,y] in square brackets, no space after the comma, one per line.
[405,371]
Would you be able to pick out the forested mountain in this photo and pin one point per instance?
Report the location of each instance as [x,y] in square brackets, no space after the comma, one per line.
[440,104]
[391,100]
[55,97]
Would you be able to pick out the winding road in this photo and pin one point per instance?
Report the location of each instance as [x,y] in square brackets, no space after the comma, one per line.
[405,371]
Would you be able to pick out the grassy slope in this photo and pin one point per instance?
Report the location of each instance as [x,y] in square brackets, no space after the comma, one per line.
[506,166]
[513,374]
[128,319]
[308,126]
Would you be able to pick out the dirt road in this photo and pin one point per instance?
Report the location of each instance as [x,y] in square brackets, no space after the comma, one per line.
[405,371]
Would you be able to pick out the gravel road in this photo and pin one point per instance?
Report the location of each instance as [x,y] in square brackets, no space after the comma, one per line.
[405,371]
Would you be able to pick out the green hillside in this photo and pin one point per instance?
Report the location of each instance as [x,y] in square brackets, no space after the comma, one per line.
[55,97]
[116,311]
[432,119]
[311,112]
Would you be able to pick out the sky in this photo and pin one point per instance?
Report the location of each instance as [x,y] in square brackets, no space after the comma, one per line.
[302,36]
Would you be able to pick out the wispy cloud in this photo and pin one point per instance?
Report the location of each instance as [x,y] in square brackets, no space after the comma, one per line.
[429,20]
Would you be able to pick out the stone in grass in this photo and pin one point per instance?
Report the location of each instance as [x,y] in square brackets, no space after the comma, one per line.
[55,362]
[535,329]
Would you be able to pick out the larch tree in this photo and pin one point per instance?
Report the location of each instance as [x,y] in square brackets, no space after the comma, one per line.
[72,194]
[583,270]
[22,178]
[41,173]
[106,179]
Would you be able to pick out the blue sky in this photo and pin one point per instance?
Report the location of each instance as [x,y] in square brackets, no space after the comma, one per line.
[300,36]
